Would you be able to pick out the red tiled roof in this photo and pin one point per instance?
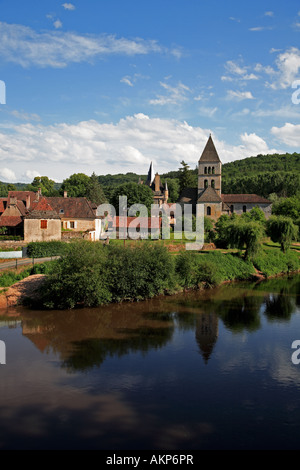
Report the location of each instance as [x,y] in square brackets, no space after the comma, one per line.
[72,207]
[2,205]
[10,221]
[22,196]
[250,198]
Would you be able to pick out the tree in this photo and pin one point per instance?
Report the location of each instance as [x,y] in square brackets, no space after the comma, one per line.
[186,177]
[256,214]
[135,193]
[241,234]
[46,185]
[76,185]
[288,207]
[282,230]
[95,192]
[173,186]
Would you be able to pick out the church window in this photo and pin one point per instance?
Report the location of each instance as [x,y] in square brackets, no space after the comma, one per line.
[213,183]
[244,208]
[205,170]
[208,210]
[213,170]
[205,184]
[209,170]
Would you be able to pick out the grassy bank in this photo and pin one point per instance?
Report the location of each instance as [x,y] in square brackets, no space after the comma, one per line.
[91,274]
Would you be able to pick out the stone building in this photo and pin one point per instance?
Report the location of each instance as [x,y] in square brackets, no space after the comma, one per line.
[160,192]
[209,190]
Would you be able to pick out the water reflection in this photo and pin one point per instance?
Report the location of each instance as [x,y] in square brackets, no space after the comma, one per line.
[85,338]
[196,367]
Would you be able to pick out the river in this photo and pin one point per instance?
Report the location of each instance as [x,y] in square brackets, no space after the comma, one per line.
[199,370]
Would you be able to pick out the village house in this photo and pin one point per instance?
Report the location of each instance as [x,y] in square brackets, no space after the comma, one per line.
[209,191]
[39,218]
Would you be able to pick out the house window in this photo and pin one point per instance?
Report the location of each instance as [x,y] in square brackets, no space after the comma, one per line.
[232,208]
[61,211]
[244,208]
[212,183]
[72,224]
[44,224]
[208,210]
[205,184]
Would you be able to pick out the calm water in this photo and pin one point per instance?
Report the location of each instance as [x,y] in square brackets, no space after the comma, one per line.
[206,370]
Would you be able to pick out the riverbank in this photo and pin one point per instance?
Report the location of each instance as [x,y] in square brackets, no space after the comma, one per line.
[97,275]
[17,293]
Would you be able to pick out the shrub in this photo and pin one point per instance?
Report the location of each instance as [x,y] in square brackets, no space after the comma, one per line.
[44,249]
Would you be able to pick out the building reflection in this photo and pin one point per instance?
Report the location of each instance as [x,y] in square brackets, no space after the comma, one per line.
[207,332]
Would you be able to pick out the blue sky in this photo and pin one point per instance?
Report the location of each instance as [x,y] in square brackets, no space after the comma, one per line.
[109,86]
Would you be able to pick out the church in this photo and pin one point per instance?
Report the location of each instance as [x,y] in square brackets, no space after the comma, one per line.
[209,190]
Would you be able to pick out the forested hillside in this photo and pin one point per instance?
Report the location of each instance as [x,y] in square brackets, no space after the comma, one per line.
[262,175]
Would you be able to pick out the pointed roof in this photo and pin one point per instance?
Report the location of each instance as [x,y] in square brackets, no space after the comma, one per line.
[209,195]
[150,177]
[209,153]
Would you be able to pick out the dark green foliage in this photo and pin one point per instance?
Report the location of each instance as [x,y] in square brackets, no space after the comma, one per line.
[282,230]
[95,192]
[289,207]
[255,214]
[11,237]
[135,193]
[45,249]
[76,185]
[238,232]
[139,273]
[91,274]
[46,185]
[187,178]
[78,278]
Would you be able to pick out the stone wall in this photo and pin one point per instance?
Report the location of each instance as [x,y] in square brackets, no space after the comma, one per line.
[34,233]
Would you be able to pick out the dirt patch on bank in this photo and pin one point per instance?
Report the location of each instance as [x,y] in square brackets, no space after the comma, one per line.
[15,294]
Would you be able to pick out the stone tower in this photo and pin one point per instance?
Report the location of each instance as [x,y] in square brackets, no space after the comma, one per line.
[209,169]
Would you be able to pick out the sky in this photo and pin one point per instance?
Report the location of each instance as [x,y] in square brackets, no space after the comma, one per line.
[109,86]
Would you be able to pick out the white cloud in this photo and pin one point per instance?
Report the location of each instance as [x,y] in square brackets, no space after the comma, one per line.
[255,145]
[68,6]
[288,66]
[25,116]
[260,28]
[289,134]
[7,175]
[269,13]
[60,150]
[239,95]
[29,175]
[209,112]
[24,46]
[239,72]
[57,24]
[175,95]
[126,80]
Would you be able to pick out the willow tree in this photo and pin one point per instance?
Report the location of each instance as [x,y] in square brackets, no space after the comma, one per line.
[282,230]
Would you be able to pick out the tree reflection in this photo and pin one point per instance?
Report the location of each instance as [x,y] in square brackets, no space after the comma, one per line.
[279,306]
[241,313]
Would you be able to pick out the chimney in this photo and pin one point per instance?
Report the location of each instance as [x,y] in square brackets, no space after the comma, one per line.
[65,194]
[39,193]
[27,201]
